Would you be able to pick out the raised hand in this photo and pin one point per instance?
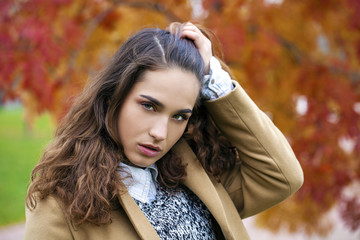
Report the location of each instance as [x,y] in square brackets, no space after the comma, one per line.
[201,42]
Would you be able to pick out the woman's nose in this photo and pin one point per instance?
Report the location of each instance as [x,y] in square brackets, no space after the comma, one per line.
[159,130]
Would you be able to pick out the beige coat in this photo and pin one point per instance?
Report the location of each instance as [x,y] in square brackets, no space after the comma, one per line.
[268,174]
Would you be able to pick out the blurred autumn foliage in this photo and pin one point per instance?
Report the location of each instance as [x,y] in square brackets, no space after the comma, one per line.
[299,61]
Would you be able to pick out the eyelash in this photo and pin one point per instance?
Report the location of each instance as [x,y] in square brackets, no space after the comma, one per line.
[148,105]
[183,116]
[151,107]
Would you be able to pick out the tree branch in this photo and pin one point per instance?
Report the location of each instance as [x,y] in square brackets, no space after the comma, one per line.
[302,57]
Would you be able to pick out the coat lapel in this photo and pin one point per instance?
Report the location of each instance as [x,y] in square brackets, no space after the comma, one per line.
[141,224]
[211,193]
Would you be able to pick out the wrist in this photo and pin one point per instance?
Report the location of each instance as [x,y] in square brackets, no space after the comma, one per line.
[217,83]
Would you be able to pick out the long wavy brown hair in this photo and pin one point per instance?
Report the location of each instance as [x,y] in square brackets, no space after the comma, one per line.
[80,165]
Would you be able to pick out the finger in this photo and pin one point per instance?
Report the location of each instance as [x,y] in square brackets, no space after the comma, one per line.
[191,35]
[191,27]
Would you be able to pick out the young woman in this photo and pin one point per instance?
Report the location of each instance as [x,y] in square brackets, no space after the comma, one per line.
[161,145]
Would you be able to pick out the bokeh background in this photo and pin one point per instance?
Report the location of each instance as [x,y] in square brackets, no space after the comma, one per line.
[298,60]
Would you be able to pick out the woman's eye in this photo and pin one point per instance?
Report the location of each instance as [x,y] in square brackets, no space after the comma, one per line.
[180,117]
[148,106]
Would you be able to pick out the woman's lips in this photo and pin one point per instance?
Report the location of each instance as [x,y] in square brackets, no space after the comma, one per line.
[149,150]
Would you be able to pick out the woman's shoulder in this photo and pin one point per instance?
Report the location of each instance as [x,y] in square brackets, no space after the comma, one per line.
[47,218]
[50,201]
[46,208]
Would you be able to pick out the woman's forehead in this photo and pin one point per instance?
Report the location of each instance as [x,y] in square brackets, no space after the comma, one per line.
[169,85]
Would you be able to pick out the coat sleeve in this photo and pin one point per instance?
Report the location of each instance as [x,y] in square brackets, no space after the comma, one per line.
[269,171]
[47,221]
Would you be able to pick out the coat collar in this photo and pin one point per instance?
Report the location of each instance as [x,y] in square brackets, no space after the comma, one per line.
[142,226]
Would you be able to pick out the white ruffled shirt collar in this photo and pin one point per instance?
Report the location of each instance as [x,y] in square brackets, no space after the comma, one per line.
[141,184]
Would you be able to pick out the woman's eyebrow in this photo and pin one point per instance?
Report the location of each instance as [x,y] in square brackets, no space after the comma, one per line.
[187,110]
[157,102]
[154,100]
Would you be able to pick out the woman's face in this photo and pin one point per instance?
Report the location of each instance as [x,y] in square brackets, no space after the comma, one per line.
[155,113]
